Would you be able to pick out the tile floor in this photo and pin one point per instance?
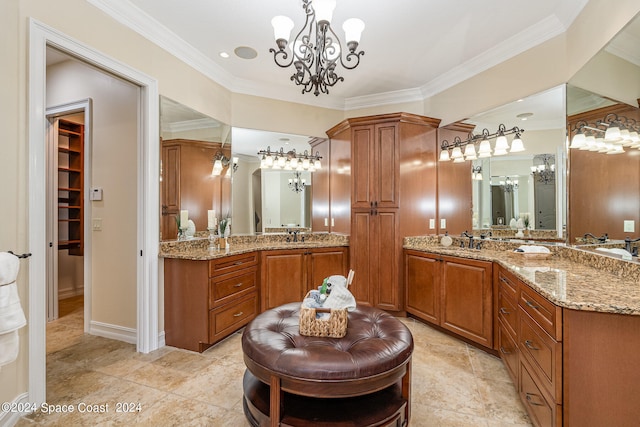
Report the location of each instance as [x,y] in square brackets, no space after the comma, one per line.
[454,384]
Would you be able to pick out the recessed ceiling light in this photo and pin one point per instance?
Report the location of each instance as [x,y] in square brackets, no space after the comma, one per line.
[224,54]
[524,116]
[245,52]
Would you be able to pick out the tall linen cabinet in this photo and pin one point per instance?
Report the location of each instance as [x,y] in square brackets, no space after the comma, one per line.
[393,194]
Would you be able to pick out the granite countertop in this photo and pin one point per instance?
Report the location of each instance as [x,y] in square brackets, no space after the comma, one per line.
[570,278]
[198,249]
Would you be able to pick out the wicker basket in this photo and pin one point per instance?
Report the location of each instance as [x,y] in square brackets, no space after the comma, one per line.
[333,327]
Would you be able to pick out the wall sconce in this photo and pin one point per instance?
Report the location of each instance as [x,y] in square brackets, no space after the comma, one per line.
[453,150]
[546,171]
[476,173]
[289,160]
[220,161]
[618,132]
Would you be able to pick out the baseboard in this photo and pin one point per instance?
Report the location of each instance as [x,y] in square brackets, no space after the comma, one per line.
[10,419]
[69,293]
[113,332]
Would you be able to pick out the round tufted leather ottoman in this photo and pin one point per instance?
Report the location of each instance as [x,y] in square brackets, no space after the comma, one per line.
[287,373]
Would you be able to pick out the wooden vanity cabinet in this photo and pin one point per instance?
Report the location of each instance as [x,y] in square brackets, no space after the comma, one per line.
[288,274]
[453,293]
[529,339]
[205,301]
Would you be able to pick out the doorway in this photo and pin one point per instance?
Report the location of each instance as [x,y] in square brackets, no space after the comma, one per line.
[142,213]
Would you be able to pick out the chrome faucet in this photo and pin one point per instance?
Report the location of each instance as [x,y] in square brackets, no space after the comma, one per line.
[627,245]
[601,239]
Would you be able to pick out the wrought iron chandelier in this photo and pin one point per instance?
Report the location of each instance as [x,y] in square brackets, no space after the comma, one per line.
[453,150]
[316,49]
[297,183]
[546,171]
[289,160]
[509,185]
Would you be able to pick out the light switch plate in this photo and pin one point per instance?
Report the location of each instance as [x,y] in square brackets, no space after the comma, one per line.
[443,223]
[432,223]
[629,226]
[97,224]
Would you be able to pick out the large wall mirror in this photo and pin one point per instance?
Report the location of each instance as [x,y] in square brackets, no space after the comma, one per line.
[604,181]
[196,167]
[268,200]
[528,184]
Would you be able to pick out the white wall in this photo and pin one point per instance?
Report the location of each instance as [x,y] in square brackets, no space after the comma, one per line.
[114,168]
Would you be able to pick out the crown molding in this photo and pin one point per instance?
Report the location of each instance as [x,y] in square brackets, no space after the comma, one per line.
[625,46]
[532,36]
[385,98]
[188,125]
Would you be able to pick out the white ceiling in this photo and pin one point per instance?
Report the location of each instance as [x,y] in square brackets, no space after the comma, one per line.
[413,48]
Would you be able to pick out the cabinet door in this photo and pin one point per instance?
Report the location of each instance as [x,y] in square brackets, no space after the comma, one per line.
[361,258]
[385,174]
[387,251]
[422,284]
[363,170]
[324,263]
[467,299]
[170,190]
[283,277]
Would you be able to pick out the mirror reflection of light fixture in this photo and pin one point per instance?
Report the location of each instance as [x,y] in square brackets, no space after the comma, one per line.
[453,150]
[509,185]
[546,171]
[297,183]
[476,173]
[316,49]
[618,132]
[289,160]
[220,161]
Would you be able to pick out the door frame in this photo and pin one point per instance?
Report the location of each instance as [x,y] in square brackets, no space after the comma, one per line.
[147,334]
[83,106]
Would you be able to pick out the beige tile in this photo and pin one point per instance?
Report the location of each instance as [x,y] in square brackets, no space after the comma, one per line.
[428,416]
[177,411]
[488,366]
[218,385]
[502,403]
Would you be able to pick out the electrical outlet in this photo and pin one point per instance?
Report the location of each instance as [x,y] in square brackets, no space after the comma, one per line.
[629,226]
[432,223]
[443,223]
[97,224]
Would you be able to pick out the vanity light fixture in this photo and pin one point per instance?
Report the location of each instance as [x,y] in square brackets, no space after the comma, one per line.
[316,49]
[609,135]
[453,150]
[289,160]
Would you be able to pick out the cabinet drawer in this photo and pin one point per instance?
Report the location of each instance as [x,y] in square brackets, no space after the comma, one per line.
[543,353]
[507,310]
[543,413]
[508,284]
[222,290]
[232,263]
[227,318]
[543,311]
[508,351]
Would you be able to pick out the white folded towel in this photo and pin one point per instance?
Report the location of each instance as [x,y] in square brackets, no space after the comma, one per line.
[11,315]
[340,297]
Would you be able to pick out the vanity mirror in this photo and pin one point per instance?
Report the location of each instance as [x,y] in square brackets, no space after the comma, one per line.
[512,185]
[604,189]
[267,200]
[196,167]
